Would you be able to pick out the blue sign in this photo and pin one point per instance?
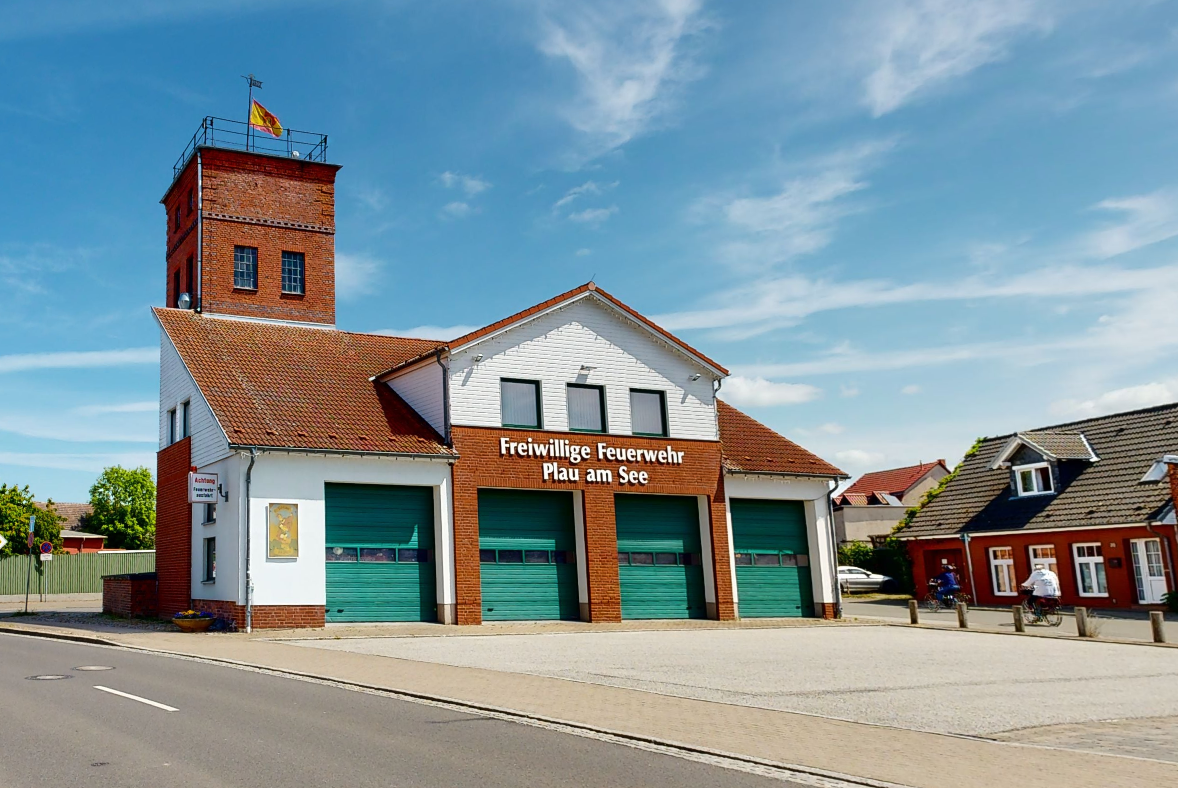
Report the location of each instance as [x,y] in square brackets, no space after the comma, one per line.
[46,547]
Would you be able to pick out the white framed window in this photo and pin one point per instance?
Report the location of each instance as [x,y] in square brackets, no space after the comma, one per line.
[210,514]
[171,426]
[1043,554]
[1090,574]
[1002,571]
[185,422]
[1034,479]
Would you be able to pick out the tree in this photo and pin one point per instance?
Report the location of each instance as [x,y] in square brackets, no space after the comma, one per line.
[124,508]
[16,506]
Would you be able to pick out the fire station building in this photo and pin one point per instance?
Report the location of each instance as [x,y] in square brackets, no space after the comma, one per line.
[571,461]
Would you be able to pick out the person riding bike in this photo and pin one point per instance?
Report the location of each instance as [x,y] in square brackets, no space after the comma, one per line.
[947,583]
[1043,585]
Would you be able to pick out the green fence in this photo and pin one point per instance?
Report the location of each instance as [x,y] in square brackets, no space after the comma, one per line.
[79,573]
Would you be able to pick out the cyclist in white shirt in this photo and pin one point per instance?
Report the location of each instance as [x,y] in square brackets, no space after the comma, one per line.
[1043,582]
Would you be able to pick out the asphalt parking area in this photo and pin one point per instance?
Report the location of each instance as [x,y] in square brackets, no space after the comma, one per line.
[942,681]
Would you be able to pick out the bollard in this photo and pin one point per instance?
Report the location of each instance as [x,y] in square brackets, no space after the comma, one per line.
[1082,621]
[1157,622]
[1017,612]
[913,612]
[963,615]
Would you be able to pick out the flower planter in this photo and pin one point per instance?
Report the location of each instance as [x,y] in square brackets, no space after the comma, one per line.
[193,624]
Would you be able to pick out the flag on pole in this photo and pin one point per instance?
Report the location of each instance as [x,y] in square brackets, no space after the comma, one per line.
[263,119]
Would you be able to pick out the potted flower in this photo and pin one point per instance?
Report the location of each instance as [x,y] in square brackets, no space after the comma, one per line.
[193,620]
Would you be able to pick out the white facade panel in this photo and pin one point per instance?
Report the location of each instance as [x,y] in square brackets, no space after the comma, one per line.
[209,442]
[226,529]
[421,388]
[815,494]
[556,348]
[300,479]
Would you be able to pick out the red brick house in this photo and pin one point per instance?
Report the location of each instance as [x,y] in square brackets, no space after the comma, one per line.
[870,508]
[1092,499]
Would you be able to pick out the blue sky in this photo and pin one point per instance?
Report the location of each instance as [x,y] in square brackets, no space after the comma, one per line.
[902,225]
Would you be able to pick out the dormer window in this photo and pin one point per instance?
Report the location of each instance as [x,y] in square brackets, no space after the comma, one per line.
[1033,479]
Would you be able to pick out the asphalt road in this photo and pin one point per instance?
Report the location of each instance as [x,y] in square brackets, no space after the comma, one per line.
[239,728]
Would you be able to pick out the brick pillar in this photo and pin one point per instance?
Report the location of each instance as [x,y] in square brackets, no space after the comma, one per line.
[468,582]
[601,556]
[721,568]
[173,528]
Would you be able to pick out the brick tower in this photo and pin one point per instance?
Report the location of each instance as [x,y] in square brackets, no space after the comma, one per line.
[251,225]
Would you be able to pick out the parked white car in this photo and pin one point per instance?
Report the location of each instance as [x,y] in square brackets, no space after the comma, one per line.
[852,579]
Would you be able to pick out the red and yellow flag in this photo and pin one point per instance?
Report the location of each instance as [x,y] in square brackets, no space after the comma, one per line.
[263,119]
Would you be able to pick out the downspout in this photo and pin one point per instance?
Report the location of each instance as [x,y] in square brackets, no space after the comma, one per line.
[969,565]
[836,591]
[200,212]
[249,580]
[445,398]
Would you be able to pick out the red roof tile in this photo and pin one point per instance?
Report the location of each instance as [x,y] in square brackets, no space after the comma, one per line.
[751,447]
[895,481]
[294,387]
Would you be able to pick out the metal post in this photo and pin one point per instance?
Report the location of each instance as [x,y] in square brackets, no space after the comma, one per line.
[963,615]
[1082,621]
[1017,612]
[1157,623]
[913,612]
[29,574]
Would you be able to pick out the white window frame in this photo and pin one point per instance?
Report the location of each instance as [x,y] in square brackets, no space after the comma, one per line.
[1052,563]
[1093,561]
[171,427]
[1007,566]
[185,413]
[1019,470]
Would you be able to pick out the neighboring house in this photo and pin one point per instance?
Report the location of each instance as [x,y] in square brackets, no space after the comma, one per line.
[1089,499]
[877,501]
[73,520]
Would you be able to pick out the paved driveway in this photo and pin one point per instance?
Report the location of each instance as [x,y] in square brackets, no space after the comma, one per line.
[944,681]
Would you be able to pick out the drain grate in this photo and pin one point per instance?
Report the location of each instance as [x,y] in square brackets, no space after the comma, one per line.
[49,677]
[94,667]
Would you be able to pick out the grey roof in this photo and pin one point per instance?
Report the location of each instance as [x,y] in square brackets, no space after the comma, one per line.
[1108,492]
[75,533]
[1061,445]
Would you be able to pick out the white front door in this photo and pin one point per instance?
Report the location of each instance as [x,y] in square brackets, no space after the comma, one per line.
[1147,570]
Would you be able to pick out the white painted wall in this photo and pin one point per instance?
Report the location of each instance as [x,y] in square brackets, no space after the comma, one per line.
[300,479]
[552,348]
[815,493]
[227,531]
[421,387]
[209,442]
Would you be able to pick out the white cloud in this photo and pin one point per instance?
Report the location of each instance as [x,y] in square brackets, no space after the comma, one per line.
[588,187]
[79,428]
[1149,218]
[79,462]
[593,215]
[911,388]
[583,252]
[921,45]
[469,184]
[456,210]
[355,275]
[1117,400]
[831,428]
[629,57]
[848,391]
[858,458]
[758,392]
[146,406]
[87,359]
[440,333]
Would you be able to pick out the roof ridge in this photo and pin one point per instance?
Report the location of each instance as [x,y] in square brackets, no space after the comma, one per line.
[1090,420]
[320,328]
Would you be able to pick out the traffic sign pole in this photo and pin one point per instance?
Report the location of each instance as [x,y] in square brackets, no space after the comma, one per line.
[29,576]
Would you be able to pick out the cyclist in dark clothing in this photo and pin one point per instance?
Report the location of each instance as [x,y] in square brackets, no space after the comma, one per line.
[947,582]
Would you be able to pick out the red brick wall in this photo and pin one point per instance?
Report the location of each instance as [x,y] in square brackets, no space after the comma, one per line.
[266,616]
[130,595]
[481,466]
[272,203]
[1114,543]
[173,528]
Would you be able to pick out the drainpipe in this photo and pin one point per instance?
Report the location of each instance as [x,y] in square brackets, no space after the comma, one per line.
[836,592]
[249,580]
[445,397]
[969,565]
[200,230]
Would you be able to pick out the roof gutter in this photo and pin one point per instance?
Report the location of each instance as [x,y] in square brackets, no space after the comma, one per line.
[445,397]
[787,474]
[450,458]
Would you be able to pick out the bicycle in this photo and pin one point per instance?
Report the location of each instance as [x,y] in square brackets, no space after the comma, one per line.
[934,602]
[1040,609]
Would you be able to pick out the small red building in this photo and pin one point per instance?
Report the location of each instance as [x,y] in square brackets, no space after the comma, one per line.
[74,537]
[1088,499]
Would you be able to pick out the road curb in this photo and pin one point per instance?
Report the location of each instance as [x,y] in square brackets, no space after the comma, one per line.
[93,640]
[1047,636]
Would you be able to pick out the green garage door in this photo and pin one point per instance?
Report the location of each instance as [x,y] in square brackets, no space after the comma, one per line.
[772,561]
[660,567]
[380,557]
[527,555]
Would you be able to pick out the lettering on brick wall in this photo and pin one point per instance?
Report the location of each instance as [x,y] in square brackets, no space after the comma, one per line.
[560,459]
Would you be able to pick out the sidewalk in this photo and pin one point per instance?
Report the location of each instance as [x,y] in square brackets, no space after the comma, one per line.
[887,754]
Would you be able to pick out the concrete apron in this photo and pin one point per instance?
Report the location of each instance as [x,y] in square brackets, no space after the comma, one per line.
[874,752]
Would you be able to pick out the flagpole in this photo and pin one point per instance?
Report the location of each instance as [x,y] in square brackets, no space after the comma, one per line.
[254,83]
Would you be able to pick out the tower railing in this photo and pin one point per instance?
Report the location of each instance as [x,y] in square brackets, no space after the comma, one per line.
[236,135]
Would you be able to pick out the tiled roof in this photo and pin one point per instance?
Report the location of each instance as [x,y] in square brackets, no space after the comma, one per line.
[72,514]
[1062,445]
[294,387]
[895,481]
[81,534]
[751,447]
[577,291]
[877,498]
[1108,492]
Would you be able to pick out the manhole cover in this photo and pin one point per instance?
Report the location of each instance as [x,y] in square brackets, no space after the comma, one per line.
[94,667]
[49,677]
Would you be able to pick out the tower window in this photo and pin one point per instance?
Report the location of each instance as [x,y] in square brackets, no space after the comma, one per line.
[293,264]
[176,287]
[245,267]
[190,201]
[176,218]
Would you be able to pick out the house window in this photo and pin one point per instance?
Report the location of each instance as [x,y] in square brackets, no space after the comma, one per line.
[292,272]
[520,403]
[586,408]
[1002,571]
[1033,479]
[176,219]
[1044,554]
[184,421]
[190,201]
[210,561]
[1090,569]
[648,413]
[176,288]
[171,426]
[245,267]
[210,514]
